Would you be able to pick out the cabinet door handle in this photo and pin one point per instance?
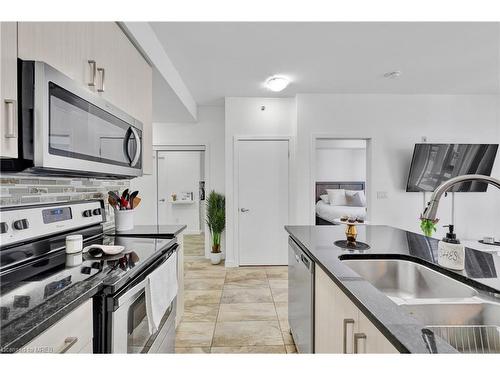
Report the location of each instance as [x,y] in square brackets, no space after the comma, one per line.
[101,79]
[93,72]
[11,129]
[68,343]
[357,346]
[345,335]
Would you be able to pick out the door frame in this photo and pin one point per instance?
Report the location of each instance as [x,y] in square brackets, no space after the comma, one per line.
[236,186]
[312,172]
[187,147]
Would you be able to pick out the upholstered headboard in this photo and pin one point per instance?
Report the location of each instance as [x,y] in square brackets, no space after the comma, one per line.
[348,185]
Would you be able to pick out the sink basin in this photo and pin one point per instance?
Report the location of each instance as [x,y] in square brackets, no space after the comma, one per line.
[408,280]
[455,314]
[468,327]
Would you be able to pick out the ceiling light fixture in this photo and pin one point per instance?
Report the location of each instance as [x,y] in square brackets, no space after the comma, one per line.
[277,83]
[392,75]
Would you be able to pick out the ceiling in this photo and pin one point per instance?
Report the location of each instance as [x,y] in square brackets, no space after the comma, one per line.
[233,59]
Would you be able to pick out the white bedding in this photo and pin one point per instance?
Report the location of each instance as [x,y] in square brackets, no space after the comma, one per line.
[328,212]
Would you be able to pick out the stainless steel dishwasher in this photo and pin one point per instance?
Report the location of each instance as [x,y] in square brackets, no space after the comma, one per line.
[301,298]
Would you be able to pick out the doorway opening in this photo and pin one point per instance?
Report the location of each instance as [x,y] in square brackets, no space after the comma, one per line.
[340,180]
[181,194]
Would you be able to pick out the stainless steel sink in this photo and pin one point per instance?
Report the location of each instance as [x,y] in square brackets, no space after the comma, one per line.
[408,280]
[468,327]
[455,314]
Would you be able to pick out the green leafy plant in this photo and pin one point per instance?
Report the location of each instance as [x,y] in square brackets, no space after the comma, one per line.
[428,226]
[216,218]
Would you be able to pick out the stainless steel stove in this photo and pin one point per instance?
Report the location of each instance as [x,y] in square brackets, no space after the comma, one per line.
[34,268]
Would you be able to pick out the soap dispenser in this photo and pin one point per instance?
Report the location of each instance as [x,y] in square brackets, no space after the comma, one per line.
[451,253]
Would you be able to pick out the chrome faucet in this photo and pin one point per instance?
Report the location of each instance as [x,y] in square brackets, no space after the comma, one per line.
[432,206]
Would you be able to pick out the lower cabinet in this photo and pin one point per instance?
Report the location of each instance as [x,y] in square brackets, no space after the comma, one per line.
[72,334]
[340,327]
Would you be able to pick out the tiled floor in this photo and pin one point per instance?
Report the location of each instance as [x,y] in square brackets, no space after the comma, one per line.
[234,310]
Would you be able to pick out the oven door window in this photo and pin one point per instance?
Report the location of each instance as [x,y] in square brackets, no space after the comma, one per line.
[138,326]
[81,130]
[139,340]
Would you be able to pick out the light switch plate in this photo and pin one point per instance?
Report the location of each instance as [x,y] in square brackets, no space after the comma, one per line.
[381,194]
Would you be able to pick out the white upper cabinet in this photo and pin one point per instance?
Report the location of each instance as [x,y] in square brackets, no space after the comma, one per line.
[8,89]
[117,70]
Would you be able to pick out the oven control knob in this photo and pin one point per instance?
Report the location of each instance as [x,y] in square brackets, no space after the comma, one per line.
[21,224]
[97,211]
[87,213]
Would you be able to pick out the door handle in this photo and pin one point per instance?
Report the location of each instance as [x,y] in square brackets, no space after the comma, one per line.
[244,209]
[357,338]
[93,72]
[346,323]
[161,200]
[68,343]
[10,105]
[101,79]
[137,148]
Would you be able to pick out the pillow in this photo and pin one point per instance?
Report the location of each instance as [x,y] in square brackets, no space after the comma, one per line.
[336,197]
[355,198]
[324,198]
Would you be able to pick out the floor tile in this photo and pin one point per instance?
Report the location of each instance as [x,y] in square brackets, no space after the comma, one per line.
[193,350]
[269,349]
[247,333]
[284,324]
[240,274]
[282,310]
[236,312]
[203,284]
[280,295]
[280,272]
[200,313]
[246,283]
[278,284]
[194,334]
[201,297]
[213,273]
[257,295]
[287,337]
[291,349]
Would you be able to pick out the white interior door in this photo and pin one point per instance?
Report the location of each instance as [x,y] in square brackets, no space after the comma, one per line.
[179,173]
[262,201]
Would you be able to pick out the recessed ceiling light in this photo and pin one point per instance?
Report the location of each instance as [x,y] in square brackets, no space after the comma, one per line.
[277,83]
[393,75]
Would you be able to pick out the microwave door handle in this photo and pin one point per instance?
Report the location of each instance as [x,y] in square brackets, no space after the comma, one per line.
[125,144]
[137,149]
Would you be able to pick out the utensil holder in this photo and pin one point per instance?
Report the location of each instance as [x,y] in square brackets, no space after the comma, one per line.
[124,220]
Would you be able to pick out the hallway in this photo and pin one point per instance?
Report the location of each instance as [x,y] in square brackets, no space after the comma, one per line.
[235,310]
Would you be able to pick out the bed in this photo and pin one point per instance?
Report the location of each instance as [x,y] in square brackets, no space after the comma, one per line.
[325,213]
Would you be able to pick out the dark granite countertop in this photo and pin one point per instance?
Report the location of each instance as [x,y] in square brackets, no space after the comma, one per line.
[404,332]
[150,231]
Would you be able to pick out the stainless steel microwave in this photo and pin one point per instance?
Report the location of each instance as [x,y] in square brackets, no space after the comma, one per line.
[66,129]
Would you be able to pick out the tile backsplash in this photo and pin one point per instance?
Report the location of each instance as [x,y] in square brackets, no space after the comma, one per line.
[28,189]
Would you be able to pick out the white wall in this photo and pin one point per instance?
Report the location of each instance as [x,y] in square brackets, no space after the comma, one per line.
[178,172]
[394,123]
[209,130]
[245,117]
[338,161]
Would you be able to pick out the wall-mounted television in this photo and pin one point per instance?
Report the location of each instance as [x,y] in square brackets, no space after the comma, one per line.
[434,163]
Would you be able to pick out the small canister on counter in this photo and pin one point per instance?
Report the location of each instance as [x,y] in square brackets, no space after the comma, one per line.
[74,244]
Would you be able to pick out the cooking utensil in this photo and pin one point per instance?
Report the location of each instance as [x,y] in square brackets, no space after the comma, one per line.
[131,199]
[136,202]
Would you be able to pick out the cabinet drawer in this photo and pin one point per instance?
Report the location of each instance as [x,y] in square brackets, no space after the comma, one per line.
[71,334]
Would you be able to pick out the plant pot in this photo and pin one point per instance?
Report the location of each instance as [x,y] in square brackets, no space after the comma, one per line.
[215,258]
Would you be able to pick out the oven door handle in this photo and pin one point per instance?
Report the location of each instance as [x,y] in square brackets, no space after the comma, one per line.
[143,277]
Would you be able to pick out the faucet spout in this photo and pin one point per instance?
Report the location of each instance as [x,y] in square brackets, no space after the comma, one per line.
[430,211]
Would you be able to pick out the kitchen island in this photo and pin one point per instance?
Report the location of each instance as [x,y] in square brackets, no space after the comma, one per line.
[395,328]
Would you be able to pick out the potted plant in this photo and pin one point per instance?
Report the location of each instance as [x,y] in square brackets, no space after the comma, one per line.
[216,221]
[427,226]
